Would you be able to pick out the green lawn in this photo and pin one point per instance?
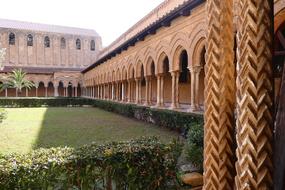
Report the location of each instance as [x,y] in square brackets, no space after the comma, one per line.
[26,129]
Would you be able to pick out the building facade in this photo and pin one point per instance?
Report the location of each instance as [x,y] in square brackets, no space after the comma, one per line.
[52,56]
[211,56]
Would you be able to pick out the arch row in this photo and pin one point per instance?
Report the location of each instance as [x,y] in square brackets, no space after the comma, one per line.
[47,86]
[169,73]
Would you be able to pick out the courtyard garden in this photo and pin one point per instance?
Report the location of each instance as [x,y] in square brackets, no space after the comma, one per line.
[78,143]
[26,129]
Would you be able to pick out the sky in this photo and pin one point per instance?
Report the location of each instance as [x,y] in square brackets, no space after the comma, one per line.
[110,18]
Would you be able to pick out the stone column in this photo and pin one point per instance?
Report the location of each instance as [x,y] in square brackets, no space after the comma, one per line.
[254,95]
[123,91]
[75,90]
[150,90]
[162,91]
[219,97]
[158,95]
[55,91]
[193,82]
[129,91]
[36,86]
[146,91]
[197,82]
[175,90]
[137,90]
[46,91]
[112,91]
[140,91]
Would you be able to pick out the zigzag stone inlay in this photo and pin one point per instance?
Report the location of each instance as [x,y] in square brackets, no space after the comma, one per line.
[254,95]
[220,97]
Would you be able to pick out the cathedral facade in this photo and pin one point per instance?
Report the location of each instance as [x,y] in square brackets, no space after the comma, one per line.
[52,56]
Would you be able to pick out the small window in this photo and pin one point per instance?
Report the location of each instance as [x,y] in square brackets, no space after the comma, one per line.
[78,44]
[92,45]
[12,39]
[62,43]
[29,40]
[47,42]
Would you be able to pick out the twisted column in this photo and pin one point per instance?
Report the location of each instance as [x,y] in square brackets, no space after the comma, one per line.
[254,95]
[219,168]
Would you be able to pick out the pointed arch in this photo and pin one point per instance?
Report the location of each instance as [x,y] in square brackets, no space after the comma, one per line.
[179,43]
[150,65]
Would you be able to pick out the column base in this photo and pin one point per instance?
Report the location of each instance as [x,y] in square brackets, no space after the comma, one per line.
[174,107]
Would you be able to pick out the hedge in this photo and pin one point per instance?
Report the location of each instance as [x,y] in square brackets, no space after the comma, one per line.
[179,121]
[174,120]
[145,163]
[39,102]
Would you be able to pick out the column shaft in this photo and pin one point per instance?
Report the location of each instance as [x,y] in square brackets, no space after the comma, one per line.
[254,95]
[219,97]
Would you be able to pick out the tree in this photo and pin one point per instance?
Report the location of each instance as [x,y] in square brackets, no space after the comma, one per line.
[17,79]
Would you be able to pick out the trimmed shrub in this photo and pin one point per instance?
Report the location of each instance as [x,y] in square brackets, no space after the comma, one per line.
[138,164]
[195,145]
[39,102]
[179,121]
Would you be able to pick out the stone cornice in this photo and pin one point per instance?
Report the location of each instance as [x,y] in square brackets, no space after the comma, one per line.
[159,17]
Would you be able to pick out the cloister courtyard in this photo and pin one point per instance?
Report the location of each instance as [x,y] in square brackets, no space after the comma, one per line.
[26,129]
[209,72]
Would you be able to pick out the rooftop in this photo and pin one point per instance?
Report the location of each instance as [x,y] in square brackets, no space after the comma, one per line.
[161,16]
[22,25]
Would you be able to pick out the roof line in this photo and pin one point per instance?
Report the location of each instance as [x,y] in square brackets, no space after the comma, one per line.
[17,24]
[165,21]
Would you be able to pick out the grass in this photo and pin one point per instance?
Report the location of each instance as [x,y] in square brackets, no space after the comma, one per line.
[26,129]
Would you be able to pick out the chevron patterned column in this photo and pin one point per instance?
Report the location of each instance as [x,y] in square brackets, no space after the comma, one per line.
[219,170]
[254,95]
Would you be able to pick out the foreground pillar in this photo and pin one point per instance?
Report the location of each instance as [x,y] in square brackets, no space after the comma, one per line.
[219,159]
[254,95]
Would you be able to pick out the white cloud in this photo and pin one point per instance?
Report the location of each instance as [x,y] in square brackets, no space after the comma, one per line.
[110,18]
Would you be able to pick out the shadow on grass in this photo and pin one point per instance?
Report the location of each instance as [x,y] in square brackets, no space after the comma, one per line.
[74,127]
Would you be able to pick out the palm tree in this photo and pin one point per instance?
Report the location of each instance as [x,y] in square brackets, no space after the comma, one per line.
[17,79]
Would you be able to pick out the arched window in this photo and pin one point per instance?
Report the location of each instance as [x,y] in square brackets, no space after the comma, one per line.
[92,45]
[78,44]
[47,42]
[184,72]
[62,43]
[12,39]
[29,40]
